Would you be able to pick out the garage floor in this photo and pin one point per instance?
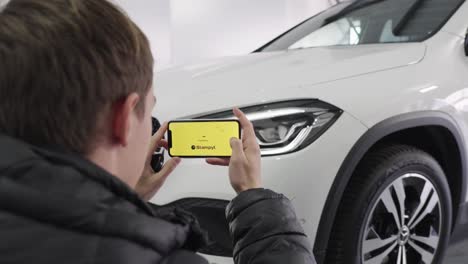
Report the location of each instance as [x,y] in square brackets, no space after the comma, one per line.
[457,254]
[458,250]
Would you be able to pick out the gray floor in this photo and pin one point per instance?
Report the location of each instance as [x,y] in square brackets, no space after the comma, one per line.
[457,253]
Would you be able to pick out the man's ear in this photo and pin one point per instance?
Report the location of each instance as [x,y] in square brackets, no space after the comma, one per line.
[123,113]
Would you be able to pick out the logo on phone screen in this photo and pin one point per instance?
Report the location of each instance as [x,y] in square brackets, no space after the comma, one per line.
[203,147]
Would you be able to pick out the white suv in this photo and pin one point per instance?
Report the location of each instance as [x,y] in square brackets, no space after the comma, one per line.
[362,116]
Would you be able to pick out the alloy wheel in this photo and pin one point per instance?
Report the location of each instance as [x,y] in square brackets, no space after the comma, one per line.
[404,224]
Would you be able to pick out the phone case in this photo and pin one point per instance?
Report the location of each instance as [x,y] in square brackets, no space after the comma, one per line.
[202,138]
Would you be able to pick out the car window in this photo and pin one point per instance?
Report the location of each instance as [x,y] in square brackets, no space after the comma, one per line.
[341,32]
[369,22]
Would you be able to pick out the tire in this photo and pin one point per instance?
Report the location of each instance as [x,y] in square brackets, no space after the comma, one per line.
[369,227]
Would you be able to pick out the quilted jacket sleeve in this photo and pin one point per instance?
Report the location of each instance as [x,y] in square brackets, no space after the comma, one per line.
[265,230]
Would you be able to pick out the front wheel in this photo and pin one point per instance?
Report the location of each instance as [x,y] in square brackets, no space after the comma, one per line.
[396,209]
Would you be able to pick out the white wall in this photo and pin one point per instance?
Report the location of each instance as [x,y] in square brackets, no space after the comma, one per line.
[154,17]
[185,31]
[299,10]
[212,28]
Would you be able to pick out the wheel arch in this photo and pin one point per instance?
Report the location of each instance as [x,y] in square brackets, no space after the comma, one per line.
[436,125]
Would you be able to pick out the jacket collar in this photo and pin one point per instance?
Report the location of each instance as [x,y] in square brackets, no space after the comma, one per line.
[20,150]
[122,214]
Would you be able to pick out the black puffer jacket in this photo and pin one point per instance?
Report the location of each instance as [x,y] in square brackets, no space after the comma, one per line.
[60,208]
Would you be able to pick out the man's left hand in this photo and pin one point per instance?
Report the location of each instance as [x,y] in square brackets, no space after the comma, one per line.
[150,182]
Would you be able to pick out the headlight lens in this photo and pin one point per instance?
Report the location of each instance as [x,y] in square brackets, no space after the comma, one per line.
[287,126]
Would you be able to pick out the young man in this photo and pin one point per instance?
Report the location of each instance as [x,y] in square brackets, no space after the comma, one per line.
[75,143]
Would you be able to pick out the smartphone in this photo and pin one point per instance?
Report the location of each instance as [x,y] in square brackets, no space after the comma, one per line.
[202,138]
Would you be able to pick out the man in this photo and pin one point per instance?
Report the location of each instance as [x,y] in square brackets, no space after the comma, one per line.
[75,144]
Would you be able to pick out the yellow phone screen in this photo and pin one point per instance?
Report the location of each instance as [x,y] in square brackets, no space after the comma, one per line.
[202,138]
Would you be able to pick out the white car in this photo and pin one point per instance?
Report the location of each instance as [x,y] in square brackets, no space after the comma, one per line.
[362,116]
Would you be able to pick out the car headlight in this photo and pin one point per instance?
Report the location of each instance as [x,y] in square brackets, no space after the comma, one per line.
[287,126]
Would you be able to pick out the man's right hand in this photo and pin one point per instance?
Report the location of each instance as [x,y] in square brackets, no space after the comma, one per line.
[245,162]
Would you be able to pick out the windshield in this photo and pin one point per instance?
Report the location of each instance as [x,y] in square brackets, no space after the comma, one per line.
[368,22]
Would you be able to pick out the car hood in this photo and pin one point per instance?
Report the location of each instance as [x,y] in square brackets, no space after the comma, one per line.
[262,77]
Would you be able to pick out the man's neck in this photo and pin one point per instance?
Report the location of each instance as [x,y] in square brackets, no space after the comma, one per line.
[108,160]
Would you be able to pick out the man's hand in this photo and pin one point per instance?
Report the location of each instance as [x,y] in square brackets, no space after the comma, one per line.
[150,182]
[245,162]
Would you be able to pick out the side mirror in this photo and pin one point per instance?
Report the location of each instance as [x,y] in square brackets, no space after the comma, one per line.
[157,160]
[466,43]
